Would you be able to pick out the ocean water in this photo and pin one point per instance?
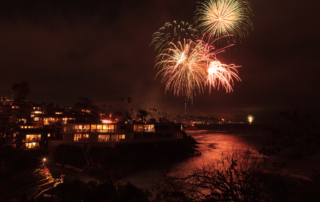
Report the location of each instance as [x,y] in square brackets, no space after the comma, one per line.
[214,144]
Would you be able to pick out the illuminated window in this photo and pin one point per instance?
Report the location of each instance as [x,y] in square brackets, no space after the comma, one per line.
[86,127]
[104,127]
[99,127]
[32,145]
[30,126]
[114,138]
[49,134]
[78,128]
[149,128]
[93,127]
[81,137]
[122,137]
[64,120]
[36,118]
[77,137]
[33,137]
[104,138]
[138,128]
[59,112]
[111,127]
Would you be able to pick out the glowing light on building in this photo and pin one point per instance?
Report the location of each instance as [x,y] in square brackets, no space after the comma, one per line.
[106,121]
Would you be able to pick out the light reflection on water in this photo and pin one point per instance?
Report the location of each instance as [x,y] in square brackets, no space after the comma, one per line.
[211,146]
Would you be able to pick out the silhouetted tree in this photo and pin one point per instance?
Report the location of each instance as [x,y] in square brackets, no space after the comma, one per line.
[129,101]
[50,109]
[87,104]
[152,120]
[117,116]
[163,120]
[143,114]
[128,115]
[299,139]
[22,90]
[16,88]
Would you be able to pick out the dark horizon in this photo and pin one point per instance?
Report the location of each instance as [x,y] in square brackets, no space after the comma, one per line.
[100,50]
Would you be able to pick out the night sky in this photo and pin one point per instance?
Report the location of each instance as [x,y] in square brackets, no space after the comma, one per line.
[100,49]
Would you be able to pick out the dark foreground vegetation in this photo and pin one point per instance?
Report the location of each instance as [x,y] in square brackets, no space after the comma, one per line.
[105,190]
[71,155]
[246,178]
[13,161]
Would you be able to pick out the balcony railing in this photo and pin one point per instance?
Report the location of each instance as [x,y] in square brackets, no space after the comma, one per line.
[144,130]
[98,130]
[148,130]
[138,130]
[102,130]
[66,130]
[32,139]
[110,140]
[82,140]
[76,130]
[103,140]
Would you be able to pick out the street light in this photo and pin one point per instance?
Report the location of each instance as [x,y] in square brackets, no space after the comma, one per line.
[44,160]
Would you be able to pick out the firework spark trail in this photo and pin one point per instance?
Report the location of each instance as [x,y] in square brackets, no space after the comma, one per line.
[223,17]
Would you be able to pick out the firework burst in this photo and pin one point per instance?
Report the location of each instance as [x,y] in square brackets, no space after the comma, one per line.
[181,68]
[222,17]
[173,32]
[218,74]
[187,68]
